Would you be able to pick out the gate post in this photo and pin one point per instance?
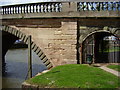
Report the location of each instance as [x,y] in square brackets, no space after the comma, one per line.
[29,58]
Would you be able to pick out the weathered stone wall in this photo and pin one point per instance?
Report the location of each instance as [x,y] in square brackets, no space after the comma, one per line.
[61,39]
[59,44]
[86,31]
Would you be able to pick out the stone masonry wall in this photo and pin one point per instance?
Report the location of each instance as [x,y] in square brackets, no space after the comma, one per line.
[86,31]
[59,44]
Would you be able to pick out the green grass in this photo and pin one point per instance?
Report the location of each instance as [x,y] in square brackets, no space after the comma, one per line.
[113,49]
[75,76]
[115,67]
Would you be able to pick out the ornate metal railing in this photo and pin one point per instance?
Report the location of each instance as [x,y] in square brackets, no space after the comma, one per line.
[98,6]
[32,8]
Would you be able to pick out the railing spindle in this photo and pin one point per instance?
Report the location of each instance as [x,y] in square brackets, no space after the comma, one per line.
[3,11]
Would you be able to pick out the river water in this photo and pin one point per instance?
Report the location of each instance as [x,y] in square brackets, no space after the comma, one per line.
[17,67]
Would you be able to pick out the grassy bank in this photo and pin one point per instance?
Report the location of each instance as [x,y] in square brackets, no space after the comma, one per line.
[115,67]
[76,76]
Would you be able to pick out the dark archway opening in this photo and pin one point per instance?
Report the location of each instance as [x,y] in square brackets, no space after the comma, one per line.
[15,62]
[7,42]
[102,47]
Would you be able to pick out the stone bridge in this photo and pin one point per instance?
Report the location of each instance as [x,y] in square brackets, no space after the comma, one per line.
[58,29]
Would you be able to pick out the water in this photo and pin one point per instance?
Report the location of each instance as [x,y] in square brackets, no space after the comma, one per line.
[17,67]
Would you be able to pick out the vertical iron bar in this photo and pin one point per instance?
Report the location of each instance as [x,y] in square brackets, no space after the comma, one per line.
[78,43]
[93,47]
[29,58]
[108,53]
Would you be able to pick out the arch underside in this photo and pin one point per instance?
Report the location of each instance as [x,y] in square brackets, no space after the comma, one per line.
[91,44]
[104,31]
[24,38]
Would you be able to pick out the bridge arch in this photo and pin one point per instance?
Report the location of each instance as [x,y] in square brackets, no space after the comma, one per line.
[92,41]
[114,33]
[24,38]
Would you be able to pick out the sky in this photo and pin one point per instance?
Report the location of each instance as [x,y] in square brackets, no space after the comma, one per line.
[9,2]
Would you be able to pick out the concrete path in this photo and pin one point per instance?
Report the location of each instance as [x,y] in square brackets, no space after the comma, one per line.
[110,70]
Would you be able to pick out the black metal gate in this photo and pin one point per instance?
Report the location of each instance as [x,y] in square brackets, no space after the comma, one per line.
[88,50]
[101,48]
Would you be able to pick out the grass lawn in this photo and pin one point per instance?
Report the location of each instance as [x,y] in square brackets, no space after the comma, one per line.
[115,67]
[76,76]
[113,49]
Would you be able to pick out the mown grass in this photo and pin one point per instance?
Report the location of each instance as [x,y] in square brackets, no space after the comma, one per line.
[115,67]
[76,76]
[113,49]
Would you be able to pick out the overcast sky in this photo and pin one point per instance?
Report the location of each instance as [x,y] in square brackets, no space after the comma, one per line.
[9,2]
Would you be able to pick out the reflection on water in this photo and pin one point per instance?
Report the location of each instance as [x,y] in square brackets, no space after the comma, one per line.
[17,67]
